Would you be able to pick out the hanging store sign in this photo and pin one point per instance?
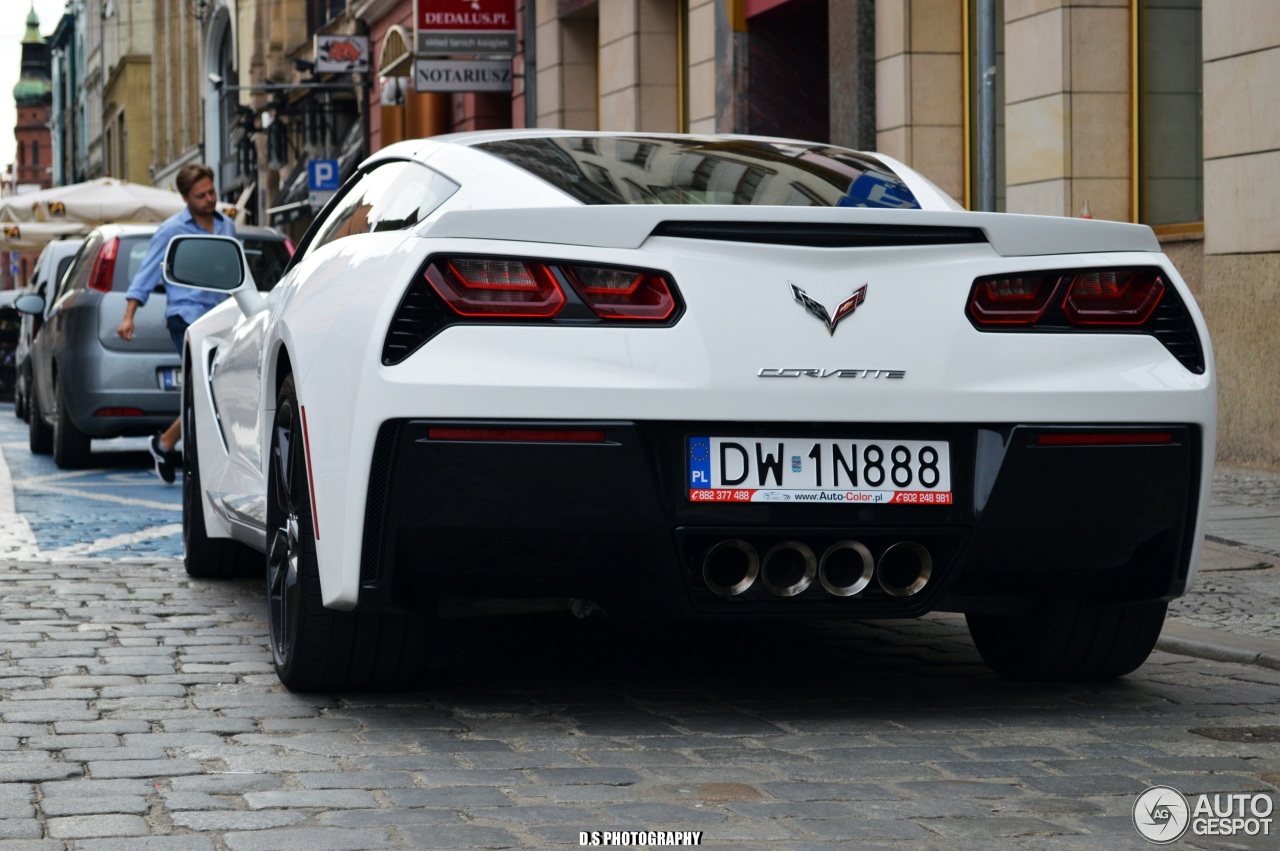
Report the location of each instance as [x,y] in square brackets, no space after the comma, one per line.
[342,54]
[462,75]
[466,27]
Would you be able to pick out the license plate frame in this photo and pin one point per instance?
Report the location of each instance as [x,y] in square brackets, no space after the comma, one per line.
[818,471]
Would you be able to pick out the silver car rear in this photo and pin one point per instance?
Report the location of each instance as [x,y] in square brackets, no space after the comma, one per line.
[89,383]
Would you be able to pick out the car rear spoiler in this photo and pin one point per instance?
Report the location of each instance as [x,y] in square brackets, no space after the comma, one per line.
[1011,235]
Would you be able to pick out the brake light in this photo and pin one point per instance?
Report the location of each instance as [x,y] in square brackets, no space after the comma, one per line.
[1002,300]
[1112,298]
[496,287]
[119,412]
[623,293]
[104,268]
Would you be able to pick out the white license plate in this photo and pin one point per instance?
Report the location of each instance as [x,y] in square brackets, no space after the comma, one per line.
[170,377]
[792,469]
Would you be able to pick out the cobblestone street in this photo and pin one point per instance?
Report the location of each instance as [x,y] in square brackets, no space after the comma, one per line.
[139,712]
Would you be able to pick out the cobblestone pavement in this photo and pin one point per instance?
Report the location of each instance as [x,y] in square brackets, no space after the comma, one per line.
[135,703]
[1238,589]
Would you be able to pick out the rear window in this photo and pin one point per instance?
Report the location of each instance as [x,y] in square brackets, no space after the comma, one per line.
[653,170]
[128,260]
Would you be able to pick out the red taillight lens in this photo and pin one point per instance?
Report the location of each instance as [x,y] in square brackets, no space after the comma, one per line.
[1112,298]
[623,293]
[496,287]
[119,412]
[1018,300]
[104,268]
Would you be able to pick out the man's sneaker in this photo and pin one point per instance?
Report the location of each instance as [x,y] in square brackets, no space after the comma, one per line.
[164,467]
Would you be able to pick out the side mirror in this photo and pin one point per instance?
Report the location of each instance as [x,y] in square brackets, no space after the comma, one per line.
[213,263]
[30,304]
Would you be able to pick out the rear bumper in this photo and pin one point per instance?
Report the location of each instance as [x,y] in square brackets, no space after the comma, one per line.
[115,380]
[611,521]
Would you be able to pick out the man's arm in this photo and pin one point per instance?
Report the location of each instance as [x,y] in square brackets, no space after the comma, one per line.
[146,280]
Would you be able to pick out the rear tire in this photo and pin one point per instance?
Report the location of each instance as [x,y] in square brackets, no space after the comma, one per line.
[71,446]
[315,648]
[1069,641]
[39,435]
[205,557]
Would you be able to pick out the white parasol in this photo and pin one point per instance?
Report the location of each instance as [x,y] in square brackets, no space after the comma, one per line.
[92,203]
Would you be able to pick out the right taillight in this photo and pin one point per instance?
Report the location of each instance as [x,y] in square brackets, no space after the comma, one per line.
[104,268]
[1112,298]
[1011,300]
[1136,300]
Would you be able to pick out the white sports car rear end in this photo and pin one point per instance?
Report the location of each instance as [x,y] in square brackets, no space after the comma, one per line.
[711,377]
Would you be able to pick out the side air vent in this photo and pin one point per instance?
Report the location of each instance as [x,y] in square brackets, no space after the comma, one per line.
[1171,325]
[375,509]
[821,235]
[419,316]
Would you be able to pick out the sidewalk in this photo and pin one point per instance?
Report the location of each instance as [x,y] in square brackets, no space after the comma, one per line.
[1232,611]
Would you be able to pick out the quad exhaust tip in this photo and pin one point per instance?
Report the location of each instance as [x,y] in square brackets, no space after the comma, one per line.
[904,569]
[730,567]
[846,568]
[788,568]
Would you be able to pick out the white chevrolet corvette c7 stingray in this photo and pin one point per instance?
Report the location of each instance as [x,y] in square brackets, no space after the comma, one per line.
[695,377]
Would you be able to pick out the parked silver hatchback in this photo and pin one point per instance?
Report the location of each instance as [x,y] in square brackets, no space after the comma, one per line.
[86,382]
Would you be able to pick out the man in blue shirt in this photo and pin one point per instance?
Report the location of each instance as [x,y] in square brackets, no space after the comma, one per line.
[185,305]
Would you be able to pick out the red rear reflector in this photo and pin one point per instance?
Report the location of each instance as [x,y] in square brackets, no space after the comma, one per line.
[623,293]
[1112,298]
[518,435]
[496,288]
[104,268]
[1011,300]
[1079,438]
[119,412]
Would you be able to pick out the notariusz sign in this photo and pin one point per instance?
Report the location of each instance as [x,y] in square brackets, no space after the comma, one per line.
[462,75]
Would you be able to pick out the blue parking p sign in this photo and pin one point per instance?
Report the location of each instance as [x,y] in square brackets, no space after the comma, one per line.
[322,175]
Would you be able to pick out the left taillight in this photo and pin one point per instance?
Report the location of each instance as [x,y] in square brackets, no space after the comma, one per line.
[104,268]
[471,289]
[496,287]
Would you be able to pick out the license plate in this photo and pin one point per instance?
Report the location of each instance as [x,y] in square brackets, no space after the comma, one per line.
[790,469]
[170,377]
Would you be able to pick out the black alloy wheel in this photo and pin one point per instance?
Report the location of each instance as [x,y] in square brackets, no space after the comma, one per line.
[314,647]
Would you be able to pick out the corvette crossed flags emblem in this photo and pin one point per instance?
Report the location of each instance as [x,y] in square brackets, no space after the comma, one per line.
[845,307]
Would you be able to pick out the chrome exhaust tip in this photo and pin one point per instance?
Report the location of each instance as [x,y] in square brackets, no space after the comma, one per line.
[788,568]
[846,568]
[904,569]
[730,567]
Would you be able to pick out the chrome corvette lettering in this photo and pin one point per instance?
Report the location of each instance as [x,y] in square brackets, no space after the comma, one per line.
[776,372]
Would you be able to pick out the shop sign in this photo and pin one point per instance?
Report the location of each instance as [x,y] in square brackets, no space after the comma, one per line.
[462,75]
[466,27]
